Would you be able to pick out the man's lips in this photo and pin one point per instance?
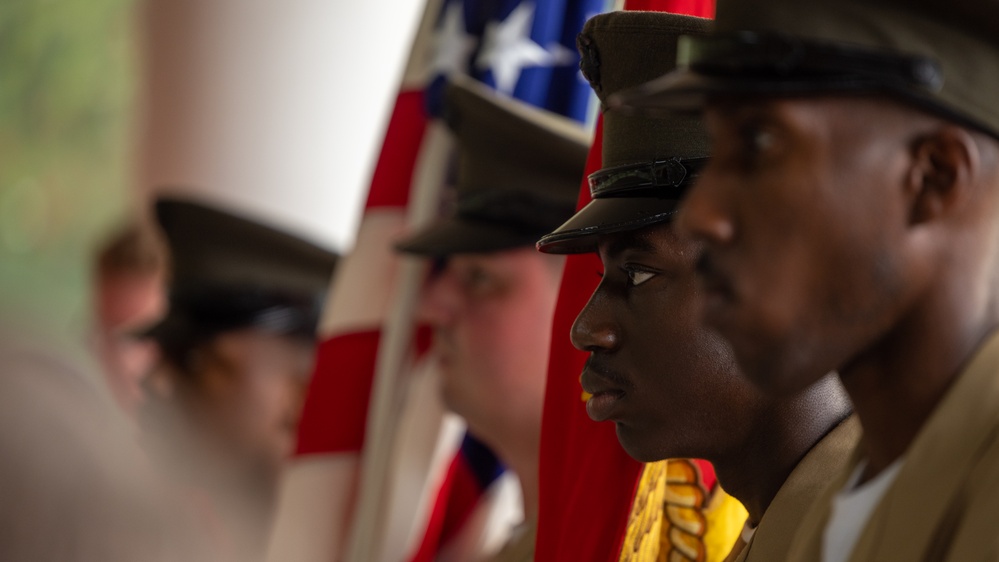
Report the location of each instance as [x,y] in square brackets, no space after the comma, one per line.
[606,390]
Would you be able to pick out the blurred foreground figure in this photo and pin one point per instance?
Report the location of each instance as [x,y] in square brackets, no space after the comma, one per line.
[74,486]
[130,295]
[850,221]
[670,385]
[237,349]
[490,301]
[73,483]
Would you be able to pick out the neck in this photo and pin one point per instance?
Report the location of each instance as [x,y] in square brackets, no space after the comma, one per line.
[525,466]
[755,473]
[521,455]
[897,383]
[529,488]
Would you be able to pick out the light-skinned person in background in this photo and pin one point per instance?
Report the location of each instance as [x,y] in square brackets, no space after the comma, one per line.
[236,352]
[130,285]
[490,298]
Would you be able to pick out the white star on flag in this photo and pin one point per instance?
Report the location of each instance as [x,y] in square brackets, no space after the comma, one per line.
[507,48]
[452,44]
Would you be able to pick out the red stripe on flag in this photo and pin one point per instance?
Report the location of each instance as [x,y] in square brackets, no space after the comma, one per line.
[456,499]
[391,181]
[702,8]
[707,470]
[336,406]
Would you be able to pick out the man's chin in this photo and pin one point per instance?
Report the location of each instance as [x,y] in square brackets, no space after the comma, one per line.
[637,444]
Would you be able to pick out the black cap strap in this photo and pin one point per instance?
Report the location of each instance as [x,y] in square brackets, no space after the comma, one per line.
[667,179]
[781,57]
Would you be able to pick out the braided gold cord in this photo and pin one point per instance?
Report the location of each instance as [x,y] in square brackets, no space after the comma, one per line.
[645,523]
[684,525]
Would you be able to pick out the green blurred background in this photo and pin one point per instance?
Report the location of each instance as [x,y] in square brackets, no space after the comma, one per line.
[68,70]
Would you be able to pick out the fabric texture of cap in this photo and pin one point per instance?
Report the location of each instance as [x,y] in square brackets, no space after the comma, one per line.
[230,272]
[519,169]
[940,56]
[648,162]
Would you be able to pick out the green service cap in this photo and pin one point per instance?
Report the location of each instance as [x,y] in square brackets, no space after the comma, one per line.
[230,272]
[940,56]
[648,162]
[518,175]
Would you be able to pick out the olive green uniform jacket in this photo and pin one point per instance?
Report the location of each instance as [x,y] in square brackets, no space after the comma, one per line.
[944,503]
[806,482]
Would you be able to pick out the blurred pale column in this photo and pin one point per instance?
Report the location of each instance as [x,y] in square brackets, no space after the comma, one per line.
[273,108]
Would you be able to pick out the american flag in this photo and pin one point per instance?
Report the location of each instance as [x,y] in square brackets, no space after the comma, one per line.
[525,49]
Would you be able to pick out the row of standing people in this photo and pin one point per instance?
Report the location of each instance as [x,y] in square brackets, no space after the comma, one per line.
[821,242]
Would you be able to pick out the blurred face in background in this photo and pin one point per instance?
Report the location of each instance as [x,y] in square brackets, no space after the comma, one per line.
[491,315]
[246,390]
[130,295]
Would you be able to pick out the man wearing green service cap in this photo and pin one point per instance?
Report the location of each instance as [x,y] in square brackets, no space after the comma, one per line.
[236,351]
[850,221]
[491,301]
[670,384]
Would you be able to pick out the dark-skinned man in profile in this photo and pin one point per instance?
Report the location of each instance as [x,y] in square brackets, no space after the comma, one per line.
[670,385]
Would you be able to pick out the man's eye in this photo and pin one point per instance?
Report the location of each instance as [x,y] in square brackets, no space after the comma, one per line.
[636,276]
[756,138]
[763,140]
[477,278]
[480,281]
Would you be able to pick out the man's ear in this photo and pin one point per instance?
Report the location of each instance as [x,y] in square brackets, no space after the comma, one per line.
[940,180]
[211,372]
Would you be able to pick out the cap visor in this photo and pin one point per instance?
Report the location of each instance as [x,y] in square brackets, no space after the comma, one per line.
[606,216]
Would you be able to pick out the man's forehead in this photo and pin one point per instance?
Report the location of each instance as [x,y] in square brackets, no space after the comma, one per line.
[850,114]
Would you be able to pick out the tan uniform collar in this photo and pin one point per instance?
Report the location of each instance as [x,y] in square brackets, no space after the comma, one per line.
[913,511]
[806,482]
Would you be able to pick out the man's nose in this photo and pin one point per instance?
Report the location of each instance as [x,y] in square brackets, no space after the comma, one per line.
[703,215]
[438,299]
[594,330]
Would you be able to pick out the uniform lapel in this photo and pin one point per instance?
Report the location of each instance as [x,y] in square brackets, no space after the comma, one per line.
[936,465]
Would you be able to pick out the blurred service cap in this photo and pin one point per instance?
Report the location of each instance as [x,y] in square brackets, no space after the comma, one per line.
[648,162]
[519,172]
[940,56]
[230,272]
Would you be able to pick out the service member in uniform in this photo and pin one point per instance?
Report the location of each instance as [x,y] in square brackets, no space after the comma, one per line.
[850,214]
[491,300]
[237,348]
[669,384]
[130,294]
